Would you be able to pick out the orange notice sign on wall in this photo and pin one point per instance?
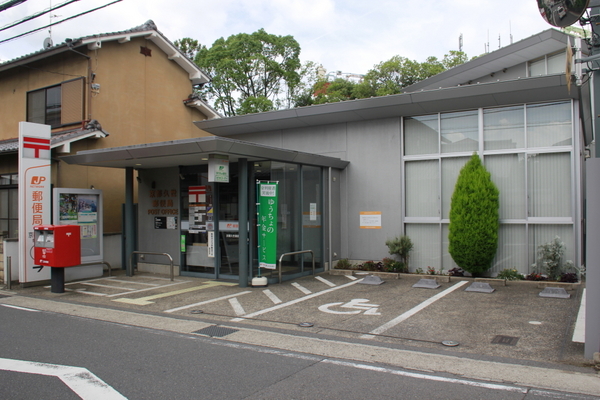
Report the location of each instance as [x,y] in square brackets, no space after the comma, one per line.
[370,220]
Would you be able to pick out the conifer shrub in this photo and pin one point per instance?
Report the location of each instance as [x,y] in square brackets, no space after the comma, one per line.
[474,218]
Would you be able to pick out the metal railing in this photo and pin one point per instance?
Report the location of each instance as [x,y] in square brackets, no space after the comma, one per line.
[149,253]
[297,252]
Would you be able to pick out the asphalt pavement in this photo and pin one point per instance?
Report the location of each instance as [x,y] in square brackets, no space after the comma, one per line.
[509,335]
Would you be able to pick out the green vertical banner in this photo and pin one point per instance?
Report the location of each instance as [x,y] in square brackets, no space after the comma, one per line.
[267,229]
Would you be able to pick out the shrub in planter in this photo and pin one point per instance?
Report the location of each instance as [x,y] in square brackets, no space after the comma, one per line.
[550,259]
[474,218]
[343,263]
[536,277]
[400,246]
[391,265]
[510,275]
[456,272]
[371,266]
[570,277]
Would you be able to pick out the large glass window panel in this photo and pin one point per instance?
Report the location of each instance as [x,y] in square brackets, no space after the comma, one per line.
[537,67]
[512,249]
[426,246]
[557,63]
[541,234]
[421,135]
[447,260]
[508,173]
[450,169]
[549,185]
[312,226]
[460,132]
[36,107]
[504,128]
[422,193]
[53,106]
[549,125]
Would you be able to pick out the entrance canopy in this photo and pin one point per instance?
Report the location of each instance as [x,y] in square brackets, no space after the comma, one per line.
[194,152]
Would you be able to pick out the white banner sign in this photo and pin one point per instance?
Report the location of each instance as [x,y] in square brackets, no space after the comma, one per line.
[34,195]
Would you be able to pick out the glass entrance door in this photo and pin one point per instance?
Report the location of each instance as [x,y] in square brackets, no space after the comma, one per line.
[229,225]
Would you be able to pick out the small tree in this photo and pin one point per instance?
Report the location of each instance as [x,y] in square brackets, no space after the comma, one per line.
[400,246]
[473,230]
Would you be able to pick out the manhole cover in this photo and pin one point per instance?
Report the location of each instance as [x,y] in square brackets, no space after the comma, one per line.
[450,343]
[215,331]
[507,340]
[306,324]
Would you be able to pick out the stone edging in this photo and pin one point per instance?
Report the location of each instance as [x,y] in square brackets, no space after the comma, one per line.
[447,278]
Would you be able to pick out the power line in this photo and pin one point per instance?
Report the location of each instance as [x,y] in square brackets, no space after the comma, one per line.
[59,22]
[11,3]
[36,15]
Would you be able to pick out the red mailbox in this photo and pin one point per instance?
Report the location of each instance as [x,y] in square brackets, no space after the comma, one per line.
[57,245]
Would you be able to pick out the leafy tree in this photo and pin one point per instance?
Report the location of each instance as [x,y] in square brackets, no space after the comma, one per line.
[330,92]
[454,58]
[189,47]
[474,216]
[250,72]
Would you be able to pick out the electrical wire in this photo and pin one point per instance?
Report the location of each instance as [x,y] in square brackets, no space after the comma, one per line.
[11,3]
[59,22]
[36,15]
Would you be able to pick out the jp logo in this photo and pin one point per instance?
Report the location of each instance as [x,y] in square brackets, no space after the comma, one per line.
[358,306]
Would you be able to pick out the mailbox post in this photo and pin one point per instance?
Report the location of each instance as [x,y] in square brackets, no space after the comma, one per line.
[57,247]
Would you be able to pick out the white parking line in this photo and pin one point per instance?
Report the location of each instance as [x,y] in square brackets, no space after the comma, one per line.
[272,296]
[107,286]
[301,288]
[237,307]
[206,302]
[351,277]
[412,311]
[325,281]
[289,303]
[146,289]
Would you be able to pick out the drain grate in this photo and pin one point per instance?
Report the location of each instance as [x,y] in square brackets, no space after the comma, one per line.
[507,340]
[216,331]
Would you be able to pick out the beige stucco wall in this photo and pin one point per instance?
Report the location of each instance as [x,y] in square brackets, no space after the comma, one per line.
[140,101]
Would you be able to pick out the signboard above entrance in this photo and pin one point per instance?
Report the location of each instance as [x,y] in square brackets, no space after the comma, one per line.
[218,168]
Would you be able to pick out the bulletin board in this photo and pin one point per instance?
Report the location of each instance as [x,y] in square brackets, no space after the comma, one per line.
[81,207]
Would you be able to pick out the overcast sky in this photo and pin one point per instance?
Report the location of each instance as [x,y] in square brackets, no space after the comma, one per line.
[346,35]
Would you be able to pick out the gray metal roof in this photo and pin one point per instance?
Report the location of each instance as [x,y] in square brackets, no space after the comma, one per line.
[527,90]
[546,42]
[193,152]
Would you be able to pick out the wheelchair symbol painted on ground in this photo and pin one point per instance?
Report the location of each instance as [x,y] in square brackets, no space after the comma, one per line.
[358,306]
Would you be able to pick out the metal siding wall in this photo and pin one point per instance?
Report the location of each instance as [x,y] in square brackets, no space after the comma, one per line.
[158,240]
[374,184]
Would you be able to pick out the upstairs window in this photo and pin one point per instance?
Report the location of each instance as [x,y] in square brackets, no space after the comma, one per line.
[57,105]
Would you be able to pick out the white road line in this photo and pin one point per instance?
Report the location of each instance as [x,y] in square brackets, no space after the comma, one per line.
[272,296]
[237,307]
[351,277]
[80,380]
[146,289]
[136,283]
[579,332]
[301,299]
[325,281]
[206,302]
[20,308]
[107,286]
[485,385]
[301,288]
[413,311]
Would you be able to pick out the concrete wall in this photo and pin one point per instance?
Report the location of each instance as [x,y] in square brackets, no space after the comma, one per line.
[159,197]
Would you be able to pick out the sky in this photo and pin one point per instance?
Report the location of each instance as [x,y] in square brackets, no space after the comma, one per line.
[342,35]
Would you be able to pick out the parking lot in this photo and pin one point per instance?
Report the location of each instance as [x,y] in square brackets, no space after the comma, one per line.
[513,321]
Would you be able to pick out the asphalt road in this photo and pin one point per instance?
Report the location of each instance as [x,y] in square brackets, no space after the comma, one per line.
[146,363]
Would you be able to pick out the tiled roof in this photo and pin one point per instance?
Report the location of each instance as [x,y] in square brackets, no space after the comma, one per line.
[58,138]
[148,29]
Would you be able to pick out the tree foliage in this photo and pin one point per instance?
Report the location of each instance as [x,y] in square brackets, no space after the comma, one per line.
[250,72]
[189,47]
[474,218]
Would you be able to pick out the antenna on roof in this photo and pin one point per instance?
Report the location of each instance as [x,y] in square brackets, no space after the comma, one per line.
[460,42]
[510,31]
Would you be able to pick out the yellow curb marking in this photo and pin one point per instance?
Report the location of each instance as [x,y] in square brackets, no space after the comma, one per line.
[144,301]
